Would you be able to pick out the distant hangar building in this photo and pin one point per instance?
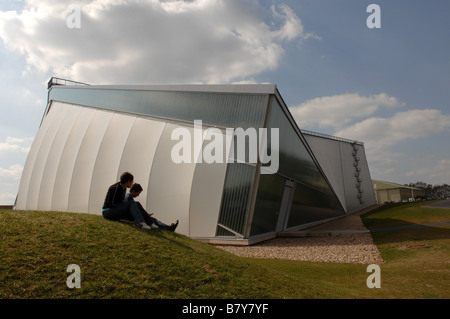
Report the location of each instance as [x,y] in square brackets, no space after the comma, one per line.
[388,192]
[90,134]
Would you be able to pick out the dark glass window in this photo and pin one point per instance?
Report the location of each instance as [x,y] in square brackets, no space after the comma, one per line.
[267,206]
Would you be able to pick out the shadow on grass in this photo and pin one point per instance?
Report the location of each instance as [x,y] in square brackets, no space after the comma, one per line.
[401,231]
[159,233]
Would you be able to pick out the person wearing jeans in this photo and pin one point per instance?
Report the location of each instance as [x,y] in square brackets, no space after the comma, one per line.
[135,190]
[115,208]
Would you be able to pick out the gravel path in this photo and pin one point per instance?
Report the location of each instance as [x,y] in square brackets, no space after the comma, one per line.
[344,240]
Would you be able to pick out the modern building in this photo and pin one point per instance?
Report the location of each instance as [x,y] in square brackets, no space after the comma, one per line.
[387,192]
[345,164]
[228,161]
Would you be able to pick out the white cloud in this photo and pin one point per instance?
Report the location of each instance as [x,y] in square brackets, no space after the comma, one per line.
[338,111]
[390,141]
[439,171]
[383,137]
[352,116]
[403,126]
[13,144]
[153,41]
[14,171]
[7,198]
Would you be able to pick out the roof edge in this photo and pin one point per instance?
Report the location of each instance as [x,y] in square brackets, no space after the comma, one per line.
[262,88]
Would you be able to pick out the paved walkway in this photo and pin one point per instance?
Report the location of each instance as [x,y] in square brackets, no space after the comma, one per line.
[352,224]
[413,226]
[347,225]
[441,204]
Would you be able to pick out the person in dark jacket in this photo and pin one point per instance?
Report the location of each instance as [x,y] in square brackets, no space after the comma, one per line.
[115,208]
[135,190]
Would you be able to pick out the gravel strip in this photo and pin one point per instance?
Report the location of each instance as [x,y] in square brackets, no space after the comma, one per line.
[340,248]
[353,249]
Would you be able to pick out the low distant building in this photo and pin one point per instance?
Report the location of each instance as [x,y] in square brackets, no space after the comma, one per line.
[386,192]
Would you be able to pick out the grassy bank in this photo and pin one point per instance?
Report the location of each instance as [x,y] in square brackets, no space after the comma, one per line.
[119,261]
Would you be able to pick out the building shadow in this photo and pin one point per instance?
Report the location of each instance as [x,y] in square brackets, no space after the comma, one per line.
[404,231]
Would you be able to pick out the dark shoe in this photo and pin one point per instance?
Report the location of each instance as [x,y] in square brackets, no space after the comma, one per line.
[173,226]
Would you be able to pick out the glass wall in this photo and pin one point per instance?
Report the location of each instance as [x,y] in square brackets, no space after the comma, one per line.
[310,205]
[219,109]
[295,161]
[236,199]
[313,200]
[268,202]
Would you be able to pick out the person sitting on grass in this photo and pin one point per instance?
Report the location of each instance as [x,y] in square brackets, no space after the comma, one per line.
[135,190]
[115,208]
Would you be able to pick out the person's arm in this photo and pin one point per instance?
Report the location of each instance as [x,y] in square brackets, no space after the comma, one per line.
[114,196]
[108,203]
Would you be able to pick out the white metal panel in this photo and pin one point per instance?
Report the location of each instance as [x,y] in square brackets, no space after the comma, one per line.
[108,159]
[31,158]
[206,196]
[85,162]
[337,159]
[348,155]
[139,152]
[63,178]
[169,188]
[59,112]
[350,181]
[368,195]
[54,157]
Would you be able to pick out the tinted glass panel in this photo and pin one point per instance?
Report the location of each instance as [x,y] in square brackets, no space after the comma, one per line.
[220,109]
[310,205]
[268,201]
[236,198]
[295,161]
[314,200]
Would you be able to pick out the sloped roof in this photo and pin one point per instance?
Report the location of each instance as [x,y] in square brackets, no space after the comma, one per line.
[391,185]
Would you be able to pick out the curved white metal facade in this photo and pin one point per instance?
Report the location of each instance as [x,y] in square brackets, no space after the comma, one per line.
[79,152]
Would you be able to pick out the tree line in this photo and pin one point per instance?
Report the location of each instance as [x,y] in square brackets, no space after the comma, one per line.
[433,192]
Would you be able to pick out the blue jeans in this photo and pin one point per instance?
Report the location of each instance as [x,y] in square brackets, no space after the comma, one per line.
[127,210]
[150,220]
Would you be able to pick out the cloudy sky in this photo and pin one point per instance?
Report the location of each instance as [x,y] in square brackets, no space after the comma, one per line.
[388,87]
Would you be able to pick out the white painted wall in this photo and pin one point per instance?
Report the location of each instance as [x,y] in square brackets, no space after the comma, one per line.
[79,152]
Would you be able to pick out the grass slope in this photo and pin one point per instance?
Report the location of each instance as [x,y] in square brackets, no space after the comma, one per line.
[120,261]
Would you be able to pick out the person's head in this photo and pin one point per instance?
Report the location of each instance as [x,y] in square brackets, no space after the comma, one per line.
[126,179]
[135,190]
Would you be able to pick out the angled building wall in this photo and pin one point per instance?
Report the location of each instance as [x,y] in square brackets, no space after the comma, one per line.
[345,164]
[89,135]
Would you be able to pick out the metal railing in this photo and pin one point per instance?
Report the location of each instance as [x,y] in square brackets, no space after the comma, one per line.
[336,138]
[60,81]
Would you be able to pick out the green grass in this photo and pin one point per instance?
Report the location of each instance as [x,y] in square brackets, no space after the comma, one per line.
[120,261]
[405,214]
